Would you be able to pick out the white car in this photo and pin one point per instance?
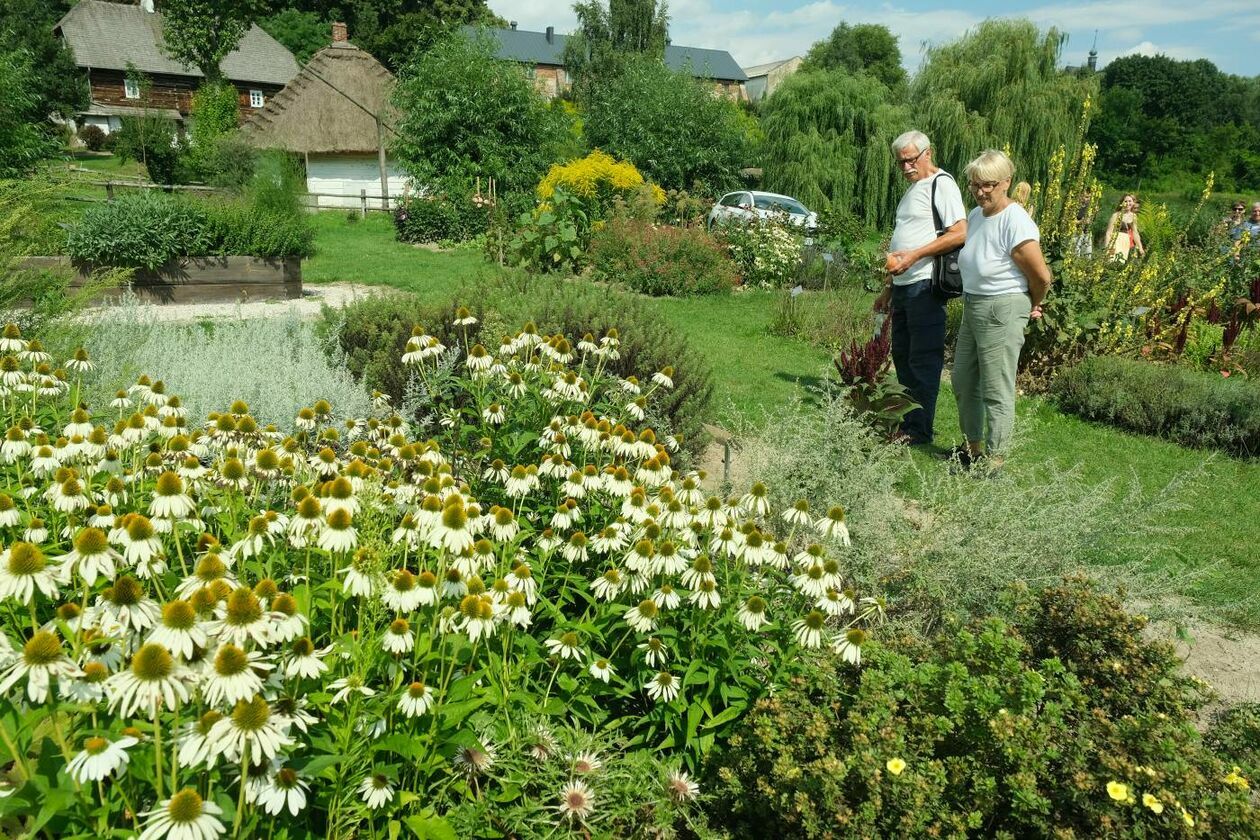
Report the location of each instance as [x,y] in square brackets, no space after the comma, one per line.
[746,205]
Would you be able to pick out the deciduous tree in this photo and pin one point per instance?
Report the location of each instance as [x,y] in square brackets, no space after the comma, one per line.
[200,33]
[865,48]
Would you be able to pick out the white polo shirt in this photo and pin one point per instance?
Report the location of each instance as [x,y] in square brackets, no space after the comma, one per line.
[985,261]
[915,225]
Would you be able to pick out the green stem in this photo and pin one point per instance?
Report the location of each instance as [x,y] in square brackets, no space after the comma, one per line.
[18,758]
[240,800]
[157,750]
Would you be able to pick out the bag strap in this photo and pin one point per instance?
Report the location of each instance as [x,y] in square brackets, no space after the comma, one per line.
[936,214]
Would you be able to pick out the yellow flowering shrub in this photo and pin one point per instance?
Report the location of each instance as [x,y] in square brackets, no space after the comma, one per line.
[597,179]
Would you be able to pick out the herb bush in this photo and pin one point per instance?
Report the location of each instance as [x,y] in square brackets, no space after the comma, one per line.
[1065,723]
[831,319]
[148,229]
[93,137]
[661,259]
[366,627]
[372,334]
[441,218]
[1190,407]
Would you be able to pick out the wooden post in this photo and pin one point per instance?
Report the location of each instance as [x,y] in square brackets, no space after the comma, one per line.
[109,190]
[363,203]
[380,161]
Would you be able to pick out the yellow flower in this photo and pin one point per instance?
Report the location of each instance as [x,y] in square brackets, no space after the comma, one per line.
[895,766]
[1236,779]
[1118,791]
[1186,818]
[1153,803]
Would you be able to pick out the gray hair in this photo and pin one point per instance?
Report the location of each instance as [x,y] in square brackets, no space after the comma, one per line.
[991,165]
[912,138]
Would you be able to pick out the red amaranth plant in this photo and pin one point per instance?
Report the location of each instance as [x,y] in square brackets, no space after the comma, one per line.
[870,386]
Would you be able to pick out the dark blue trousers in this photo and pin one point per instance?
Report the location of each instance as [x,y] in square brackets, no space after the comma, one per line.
[918,351]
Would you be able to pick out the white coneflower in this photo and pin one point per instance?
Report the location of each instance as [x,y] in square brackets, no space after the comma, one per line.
[44,464]
[234,675]
[453,530]
[416,699]
[193,748]
[566,646]
[601,669]
[91,557]
[832,525]
[155,681]
[402,594]
[16,445]
[522,481]
[169,499]
[664,377]
[608,585]
[24,569]
[89,689]
[185,816]
[346,686]
[307,522]
[100,758]
[179,631]
[241,620]
[835,603]
[809,630]
[360,580]
[127,604]
[338,534]
[398,638]
[699,572]
[41,660]
[663,687]
[576,801]
[680,786]
[36,531]
[252,727]
[11,340]
[259,536]
[756,501]
[812,581]
[797,514]
[517,606]
[304,660]
[705,595]
[287,623]
[849,645]
[494,414]
[478,613]
[209,568]
[9,514]
[654,652]
[376,791]
[283,789]
[752,614]
[141,546]
[667,598]
[503,525]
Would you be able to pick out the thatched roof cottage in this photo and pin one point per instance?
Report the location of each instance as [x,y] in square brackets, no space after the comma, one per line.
[337,114]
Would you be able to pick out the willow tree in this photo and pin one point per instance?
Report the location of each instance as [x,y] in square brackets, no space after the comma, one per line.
[828,139]
[1000,86]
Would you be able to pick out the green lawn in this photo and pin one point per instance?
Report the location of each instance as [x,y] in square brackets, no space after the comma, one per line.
[1214,560]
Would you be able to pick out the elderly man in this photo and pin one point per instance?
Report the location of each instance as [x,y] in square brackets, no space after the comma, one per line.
[918,313]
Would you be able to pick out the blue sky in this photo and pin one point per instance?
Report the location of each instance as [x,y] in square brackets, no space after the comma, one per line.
[1227,32]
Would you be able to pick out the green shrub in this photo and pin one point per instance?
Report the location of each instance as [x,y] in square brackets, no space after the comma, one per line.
[372,334]
[1235,735]
[832,319]
[977,733]
[152,140]
[93,137]
[767,253]
[441,218]
[554,237]
[661,259]
[1190,407]
[238,227]
[143,229]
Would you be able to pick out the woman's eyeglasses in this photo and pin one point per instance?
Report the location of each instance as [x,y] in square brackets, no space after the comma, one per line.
[982,186]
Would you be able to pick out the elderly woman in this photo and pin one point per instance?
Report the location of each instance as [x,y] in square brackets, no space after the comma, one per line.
[1005,278]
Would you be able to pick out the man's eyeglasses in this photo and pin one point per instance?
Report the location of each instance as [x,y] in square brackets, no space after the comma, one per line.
[982,186]
[910,161]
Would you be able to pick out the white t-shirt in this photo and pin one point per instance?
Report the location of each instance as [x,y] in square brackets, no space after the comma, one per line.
[985,260]
[915,225]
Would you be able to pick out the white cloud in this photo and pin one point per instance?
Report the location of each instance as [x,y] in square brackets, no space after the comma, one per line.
[1147,48]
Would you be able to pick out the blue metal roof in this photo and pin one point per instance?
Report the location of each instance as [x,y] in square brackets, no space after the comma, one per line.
[534,48]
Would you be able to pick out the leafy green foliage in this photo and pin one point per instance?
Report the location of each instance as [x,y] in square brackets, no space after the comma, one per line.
[59,87]
[607,34]
[1192,407]
[215,153]
[441,218]
[670,125]
[553,237]
[1000,86]
[862,48]
[151,140]
[140,229]
[1006,730]
[22,143]
[661,260]
[200,33]
[466,115]
[93,137]
[302,33]
[1234,733]
[1163,120]
[828,144]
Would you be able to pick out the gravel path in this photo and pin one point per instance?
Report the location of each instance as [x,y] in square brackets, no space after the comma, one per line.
[307,307]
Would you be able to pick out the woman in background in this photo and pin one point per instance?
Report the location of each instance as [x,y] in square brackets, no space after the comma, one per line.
[1122,230]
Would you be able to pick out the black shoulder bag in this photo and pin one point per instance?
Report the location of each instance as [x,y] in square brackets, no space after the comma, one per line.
[946,276]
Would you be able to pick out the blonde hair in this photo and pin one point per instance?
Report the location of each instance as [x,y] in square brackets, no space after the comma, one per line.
[991,165]
[1022,192]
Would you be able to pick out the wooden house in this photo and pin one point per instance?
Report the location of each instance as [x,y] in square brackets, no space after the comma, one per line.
[109,38]
[542,53]
[336,114]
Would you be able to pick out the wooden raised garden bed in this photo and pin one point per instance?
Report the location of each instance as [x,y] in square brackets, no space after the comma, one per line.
[201,279]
